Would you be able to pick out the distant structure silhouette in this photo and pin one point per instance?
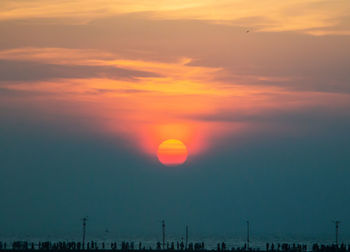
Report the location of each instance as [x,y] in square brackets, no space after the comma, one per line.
[168,245]
[336,232]
[248,234]
[186,243]
[163,231]
[84,230]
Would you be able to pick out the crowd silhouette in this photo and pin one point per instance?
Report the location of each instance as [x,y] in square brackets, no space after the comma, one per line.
[169,246]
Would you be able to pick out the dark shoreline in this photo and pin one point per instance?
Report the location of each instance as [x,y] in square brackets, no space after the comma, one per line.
[25,246]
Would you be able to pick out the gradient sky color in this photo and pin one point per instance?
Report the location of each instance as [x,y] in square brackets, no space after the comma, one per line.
[258,91]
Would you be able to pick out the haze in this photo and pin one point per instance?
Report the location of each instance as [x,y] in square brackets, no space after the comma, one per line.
[258,91]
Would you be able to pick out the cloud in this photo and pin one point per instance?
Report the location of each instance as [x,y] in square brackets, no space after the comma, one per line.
[39,64]
[340,27]
[311,114]
[86,86]
[120,91]
[273,15]
[11,93]
[283,59]
[26,71]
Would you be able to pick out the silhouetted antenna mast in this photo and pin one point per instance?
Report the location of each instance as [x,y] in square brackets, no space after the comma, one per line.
[186,237]
[84,230]
[163,231]
[336,231]
[248,234]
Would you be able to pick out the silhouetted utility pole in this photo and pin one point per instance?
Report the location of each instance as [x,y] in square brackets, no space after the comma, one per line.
[248,234]
[163,230]
[336,231]
[84,230]
[186,237]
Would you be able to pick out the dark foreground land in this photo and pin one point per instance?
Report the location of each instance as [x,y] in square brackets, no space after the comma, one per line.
[24,246]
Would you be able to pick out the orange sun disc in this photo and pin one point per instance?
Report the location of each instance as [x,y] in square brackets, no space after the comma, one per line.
[172,152]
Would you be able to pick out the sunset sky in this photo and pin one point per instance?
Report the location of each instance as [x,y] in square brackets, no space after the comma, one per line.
[257,91]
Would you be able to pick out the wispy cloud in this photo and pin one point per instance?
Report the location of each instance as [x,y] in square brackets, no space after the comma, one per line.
[149,101]
[24,71]
[273,15]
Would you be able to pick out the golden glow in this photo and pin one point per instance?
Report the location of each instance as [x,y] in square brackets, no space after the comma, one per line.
[180,101]
[193,70]
[172,152]
[269,15]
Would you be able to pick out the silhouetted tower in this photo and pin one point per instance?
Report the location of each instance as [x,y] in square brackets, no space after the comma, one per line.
[336,231]
[84,230]
[186,237]
[248,234]
[163,231]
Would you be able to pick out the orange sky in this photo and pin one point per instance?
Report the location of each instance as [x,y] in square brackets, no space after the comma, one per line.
[272,15]
[190,70]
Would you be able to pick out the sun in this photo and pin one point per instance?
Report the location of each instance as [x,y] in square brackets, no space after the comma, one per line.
[172,152]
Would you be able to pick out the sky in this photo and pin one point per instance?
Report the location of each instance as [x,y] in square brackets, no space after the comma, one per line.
[258,92]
